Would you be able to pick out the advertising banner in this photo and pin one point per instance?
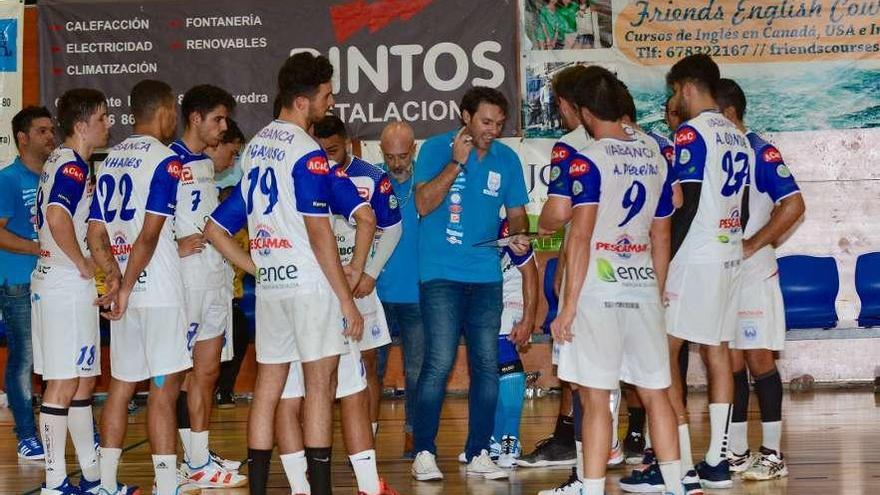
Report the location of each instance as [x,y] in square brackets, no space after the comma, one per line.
[11,29]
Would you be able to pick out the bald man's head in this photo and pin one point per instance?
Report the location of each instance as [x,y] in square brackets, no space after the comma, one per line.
[398,149]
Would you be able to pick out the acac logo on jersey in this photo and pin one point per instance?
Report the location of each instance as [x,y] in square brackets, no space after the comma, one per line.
[174,169]
[385,186]
[340,172]
[559,154]
[578,167]
[772,155]
[318,165]
[685,136]
[74,172]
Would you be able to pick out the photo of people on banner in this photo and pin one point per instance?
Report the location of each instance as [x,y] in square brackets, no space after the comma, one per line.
[567,24]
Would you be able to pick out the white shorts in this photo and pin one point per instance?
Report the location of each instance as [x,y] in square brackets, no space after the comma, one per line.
[614,342]
[306,326]
[376,333]
[703,301]
[149,342]
[761,316]
[351,376]
[210,314]
[66,335]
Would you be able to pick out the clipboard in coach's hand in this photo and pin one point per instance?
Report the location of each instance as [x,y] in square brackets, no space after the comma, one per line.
[505,241]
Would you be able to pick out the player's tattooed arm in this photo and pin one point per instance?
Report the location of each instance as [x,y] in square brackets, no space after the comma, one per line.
[365,232]
[789,210]
[99,246]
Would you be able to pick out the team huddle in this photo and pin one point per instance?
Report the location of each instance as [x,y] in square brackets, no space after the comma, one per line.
[676,235]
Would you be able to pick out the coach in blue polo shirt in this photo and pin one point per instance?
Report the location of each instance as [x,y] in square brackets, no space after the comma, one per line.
[463,179]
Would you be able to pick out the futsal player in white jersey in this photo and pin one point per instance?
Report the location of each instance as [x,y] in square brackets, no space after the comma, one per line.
[774,204]
[305,309]
[374,186]
[205,109]
[712,160]
[66,340]
[131,231]
[611,317]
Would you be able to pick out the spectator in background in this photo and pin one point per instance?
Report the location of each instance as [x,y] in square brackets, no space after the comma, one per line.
[463,180]
[398,284]
[224,156]
[34,135]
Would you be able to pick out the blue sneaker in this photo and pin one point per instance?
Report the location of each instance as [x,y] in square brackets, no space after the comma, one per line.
[31,449]
[649,480]
[90,487]
[66,488]
[714,476]
[691,483]
[120,490]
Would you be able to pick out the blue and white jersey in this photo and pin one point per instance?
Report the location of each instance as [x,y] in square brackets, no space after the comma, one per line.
[667,150]
[374,188]
[197,197]
[630,184]
[711,151]
[512,282]
[286,177]
[139,176]
[565,149]
[345,199]
[64,183]
[770,181]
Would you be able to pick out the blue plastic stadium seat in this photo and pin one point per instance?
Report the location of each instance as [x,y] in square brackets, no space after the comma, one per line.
[248,303]
[809,289]
[552,300]
[868,288]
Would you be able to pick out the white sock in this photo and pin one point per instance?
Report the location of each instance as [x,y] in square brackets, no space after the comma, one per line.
[198,448]
[109,466]
[671,471]
[53,429]
[185,436]
[647,436]
[579,449]
[594,487]
[684,446]
[772,436]
[375,429]
[615,417]
[719,415]
[295,467]
[81,424]
[165,467]
[364,465]
[739,437]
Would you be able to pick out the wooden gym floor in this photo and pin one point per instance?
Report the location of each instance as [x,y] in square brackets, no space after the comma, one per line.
[831,440]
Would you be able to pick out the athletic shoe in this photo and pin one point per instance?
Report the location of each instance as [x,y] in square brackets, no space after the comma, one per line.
[633,447]
[739,462]
[691,483]
[213,475]
[424,467]
[65,488]
[714,476]
[768,465]
[647,460]
[224,400]
[184,486]
[510,451]
[31,449]
[571,486]
[384,489]
[227,464]
[483,467]
[86,486]
[648,481]
[494,452]
[549,452]
[615,458]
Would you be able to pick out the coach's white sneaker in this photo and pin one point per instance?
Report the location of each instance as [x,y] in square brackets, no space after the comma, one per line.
[424,467]
[483,467]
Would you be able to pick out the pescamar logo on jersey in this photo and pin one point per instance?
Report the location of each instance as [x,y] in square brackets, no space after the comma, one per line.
[685,136]
[264,241]
[624,247]
[772,155]
[578,167]
[559,154]
[733,224]
[174,169]
[74,172]
[120,247]
[318,165]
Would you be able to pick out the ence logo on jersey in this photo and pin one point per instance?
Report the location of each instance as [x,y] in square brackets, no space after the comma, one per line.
[628,276]
[623,247]
[264,241]
[74,172]
[273,274]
